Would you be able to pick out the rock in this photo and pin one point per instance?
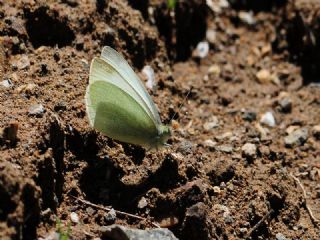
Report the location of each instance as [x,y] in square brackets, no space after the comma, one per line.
[214,70]
[217,5]
[264,76]
[316,132]
[211,36]
[285,105]
[118,232]
[26,88]
[196,224]
[268,119]
[225,148]
[36,110]
[212,124]
[249,116]
[185,147]
[280,236]
[22,63]
[249,150]
[201,50]
[74,217]
[149,73]
[209,143]
[111,216]
[142,203]
[216,190]
[296,138]
[90,211]
[247,17]
[7,83]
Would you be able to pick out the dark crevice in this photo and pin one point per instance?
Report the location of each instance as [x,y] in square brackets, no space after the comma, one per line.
[45,28]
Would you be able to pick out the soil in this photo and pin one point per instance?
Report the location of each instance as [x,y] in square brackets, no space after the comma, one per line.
[225,174]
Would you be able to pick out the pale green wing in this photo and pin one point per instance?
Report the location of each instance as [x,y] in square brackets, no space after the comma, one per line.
[116,60]
[117,115]
[101,70]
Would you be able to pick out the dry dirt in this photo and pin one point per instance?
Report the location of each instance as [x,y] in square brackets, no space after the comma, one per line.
[223,172]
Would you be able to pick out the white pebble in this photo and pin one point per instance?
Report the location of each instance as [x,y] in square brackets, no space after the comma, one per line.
[268,119]
[6,83]
[74,217]
[149,73]
[202,50]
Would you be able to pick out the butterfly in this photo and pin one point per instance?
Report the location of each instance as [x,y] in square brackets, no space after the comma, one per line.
[119,106]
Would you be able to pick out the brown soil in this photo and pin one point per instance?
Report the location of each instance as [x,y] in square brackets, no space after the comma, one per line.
[204,186]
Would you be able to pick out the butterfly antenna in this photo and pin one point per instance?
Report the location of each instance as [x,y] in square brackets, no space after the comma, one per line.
[181,104]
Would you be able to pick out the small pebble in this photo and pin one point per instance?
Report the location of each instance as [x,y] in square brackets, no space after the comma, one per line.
[212,124]
[249,116]
[264,76]
[26,88]
[111,216]
[74,217]
[36,110]
[225,148]
[296,138]
[23,62]
[214,70]
[211,36]
[216,190]
[249,150]
[149,73]
[201,50]
[6,83]
[209,143]
[285,105]
[142,203]
[316,132]
[268,119]
[90,211]
[247,17]
[280,236]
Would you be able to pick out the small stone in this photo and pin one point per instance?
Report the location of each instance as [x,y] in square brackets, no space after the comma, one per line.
[285,105]
[74,217]
[201,50]
[111,216]
[27,88]
[212,124]
[225,148]
[214,70]
[23,62]
[268,119]
[247,17]
[209,143]
[142,203]
[7,83]
[120,232]
[211,36]
[316,132]
[149,73]
[90,211]
[296,138]
[249,150]
[216,190]
[175,124]
[36,110]
[264,76]
[280,236]
[249,116]
[291,129]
